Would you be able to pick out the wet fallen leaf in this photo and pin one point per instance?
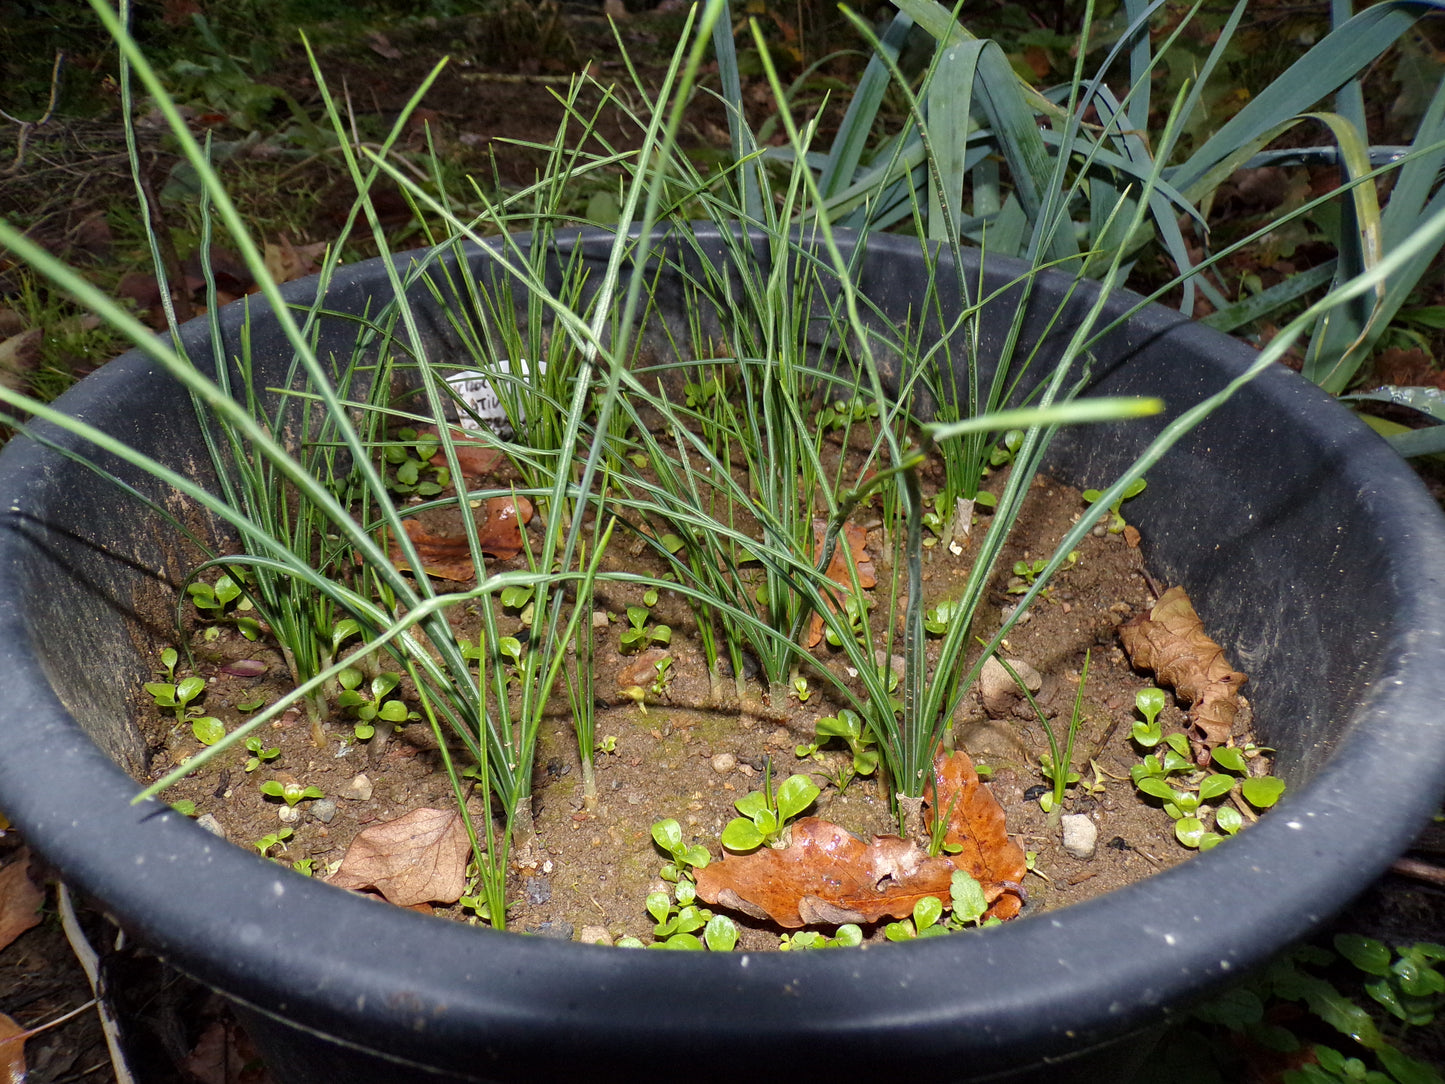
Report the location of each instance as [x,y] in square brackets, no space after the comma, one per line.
[850,548]
[19,899]
[827,876]
[1170,640]
[224,1055]
[285,261]
[976,822]
[418,858]
[476,460]
[448,557]
[12,1051]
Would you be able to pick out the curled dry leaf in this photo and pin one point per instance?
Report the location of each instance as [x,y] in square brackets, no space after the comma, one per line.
[12,1051]
[224,1055]
[19,899]
[977,824]
[418,858]
[1170,640]
[827,876]
[448,557]
[476,460]
[850,548]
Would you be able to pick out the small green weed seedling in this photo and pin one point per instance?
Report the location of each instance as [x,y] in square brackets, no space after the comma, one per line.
[185,807]
[847,935]
[368,708]
[640,633]
[929,918]
[1147,732]
[663,668]
[940,618]
[1026,572]
[277,838]
[848,727]
[1116,518]
[1187,794]
[408,458]
[180,697]
[172,695]
[667,834]
[1287,1009]
[290,793]
[679,921]
[224,601]
[1057,764]
[1408,983]
[259,753]
[846,413]
[765,814]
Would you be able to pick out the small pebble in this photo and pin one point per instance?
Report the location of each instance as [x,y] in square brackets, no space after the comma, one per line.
[357,789]
[538,890]
[595,935]
[724,763]
[210,824]
[324,810]
[1081,836]
[558,931]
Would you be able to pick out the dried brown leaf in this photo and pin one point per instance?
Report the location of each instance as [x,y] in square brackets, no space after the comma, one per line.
[418,858]
[224,1055]
[19,899]
[12,1051]
[828,876]
[976,822]
[449,557]
[1171,641]
[501,535]
[850,548]
[476,460]
[285,261]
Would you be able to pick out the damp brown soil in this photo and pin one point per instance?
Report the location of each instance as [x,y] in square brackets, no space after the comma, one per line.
[590,865]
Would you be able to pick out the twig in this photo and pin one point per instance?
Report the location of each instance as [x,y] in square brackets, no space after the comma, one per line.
[27,126]
[90,964]
[1420,870]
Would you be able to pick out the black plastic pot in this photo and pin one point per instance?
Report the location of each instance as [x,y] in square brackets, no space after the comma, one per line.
[1310,549]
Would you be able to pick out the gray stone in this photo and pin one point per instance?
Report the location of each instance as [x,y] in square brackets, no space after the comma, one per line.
[356,789]
[1081,835]
[210,824]
[324,810]
[538,891]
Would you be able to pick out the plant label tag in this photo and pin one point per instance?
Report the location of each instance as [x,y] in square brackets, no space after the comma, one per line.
[479,398]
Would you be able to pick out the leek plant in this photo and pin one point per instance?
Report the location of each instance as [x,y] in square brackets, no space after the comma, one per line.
[735,492]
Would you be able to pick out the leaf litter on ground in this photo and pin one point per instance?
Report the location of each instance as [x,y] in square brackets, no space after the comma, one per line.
[1170,640]
[828,876]
[19,899]
[417,858]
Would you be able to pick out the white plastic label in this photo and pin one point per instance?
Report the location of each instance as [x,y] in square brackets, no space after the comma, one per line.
[477,395]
